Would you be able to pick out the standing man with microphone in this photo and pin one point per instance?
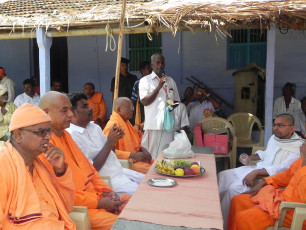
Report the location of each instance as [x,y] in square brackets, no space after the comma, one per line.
[154,91]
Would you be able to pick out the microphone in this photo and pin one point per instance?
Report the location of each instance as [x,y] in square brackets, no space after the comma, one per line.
[165,82]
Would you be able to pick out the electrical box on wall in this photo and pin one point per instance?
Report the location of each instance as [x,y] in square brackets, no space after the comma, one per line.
[249,90]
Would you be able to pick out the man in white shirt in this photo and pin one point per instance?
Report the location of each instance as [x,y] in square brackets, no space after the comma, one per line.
[8,83]
[154,90]
[300,119]
[98,149]
[286,103]
[282,150]
[203,108]
[29,95]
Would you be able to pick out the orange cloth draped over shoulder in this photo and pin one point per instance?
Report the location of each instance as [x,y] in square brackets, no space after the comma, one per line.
[262,210]
[33,201]
[98,105]
[88,183]
[130,143]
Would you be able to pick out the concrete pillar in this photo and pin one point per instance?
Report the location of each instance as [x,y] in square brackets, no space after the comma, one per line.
[44,44]
[270,66]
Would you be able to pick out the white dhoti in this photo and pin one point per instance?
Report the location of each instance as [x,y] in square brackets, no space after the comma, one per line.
[130,187]
[156,140]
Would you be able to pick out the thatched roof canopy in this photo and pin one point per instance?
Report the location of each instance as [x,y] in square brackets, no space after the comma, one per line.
[62,15]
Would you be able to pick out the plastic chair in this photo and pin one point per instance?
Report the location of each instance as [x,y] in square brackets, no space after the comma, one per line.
[299,216]
[254,149]
[80,217]
[107,180]
[243,124]
[1,144]
[126,163]
[219,125]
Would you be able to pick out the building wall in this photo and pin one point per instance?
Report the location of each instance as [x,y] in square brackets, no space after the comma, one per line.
[15,59]
[200,54]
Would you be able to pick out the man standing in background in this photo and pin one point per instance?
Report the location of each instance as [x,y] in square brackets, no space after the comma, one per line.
[154,90]
[126,80]
[8,83]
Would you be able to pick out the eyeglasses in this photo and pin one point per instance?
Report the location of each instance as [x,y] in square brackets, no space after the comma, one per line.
[131,107]
[280,125]
[39,132]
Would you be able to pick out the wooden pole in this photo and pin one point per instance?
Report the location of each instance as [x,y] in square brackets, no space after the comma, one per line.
[120,38]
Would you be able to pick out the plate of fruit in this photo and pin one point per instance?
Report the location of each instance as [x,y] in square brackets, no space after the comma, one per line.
[179,168]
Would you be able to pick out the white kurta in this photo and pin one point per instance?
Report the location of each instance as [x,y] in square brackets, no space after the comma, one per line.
[197,112]
[300,121]
[91,140]
[230,181]
[10,85]
[180,117]
[280,106]
[155,138]
[24,98]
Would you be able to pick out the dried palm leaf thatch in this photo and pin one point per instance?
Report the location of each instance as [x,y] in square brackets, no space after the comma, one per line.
[208,15]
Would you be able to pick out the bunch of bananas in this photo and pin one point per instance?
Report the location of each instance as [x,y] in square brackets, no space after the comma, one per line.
[165,167]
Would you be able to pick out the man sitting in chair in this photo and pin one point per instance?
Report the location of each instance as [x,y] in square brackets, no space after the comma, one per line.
[98,149]
[128,146]
[31,197]
[260,208]
[103,204]
[282,150]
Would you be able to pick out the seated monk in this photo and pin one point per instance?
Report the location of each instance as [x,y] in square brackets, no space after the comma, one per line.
[129,146]
[260,209]
[102,202]
[97,103]
[31,197]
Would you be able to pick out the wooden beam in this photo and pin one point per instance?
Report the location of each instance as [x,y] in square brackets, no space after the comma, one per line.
[102,31]
[120,39]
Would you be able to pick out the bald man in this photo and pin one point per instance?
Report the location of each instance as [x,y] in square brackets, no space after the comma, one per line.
[102,202]
[31,197]
[129,146]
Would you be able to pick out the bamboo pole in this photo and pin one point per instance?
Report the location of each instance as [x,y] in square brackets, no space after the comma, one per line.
[120,39]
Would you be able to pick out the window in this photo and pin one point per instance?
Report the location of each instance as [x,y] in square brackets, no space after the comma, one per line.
[141,48]
[247,46]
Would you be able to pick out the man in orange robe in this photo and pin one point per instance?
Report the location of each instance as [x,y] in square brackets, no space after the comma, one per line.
[260,209]
[97,103]
[129,146]
[31,197]
[102,202]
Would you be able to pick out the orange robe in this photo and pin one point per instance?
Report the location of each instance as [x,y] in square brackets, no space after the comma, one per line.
[260,211]
[33,201]
[88,183]
[130,143]
[98,105]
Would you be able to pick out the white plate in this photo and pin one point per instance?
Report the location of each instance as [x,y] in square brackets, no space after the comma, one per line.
[162,182]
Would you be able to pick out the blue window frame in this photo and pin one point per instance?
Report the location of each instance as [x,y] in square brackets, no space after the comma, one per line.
[141,48]
[245,46]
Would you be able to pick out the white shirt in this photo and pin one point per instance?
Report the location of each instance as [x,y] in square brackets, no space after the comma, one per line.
[24,98]
[91,140]
[180,117]
[299,121]
[197,112]
[10,85]
[154,113]
[267,157]
[280,106]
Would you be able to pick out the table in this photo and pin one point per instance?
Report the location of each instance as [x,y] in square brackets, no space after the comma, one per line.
[192,204]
